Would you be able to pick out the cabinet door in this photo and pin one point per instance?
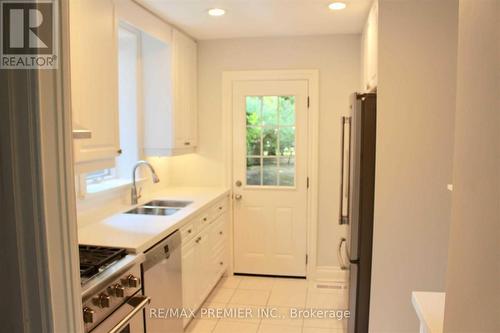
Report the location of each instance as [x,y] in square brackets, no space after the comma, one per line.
[185,68]
[189,277]
[219,246]
[94,78]
[204,264]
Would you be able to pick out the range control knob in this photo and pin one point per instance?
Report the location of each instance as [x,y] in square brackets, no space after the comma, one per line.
[119,290]
[88,315]
[132,281]
[104,301]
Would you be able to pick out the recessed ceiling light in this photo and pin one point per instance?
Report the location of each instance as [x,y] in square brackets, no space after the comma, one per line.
[337,5]
[216,12]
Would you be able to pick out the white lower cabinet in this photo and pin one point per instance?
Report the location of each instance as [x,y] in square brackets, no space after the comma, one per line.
[189,273]
[204,255]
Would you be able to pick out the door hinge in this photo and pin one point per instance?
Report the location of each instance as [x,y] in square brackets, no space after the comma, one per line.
[307,259]
[307,182]
[308,101]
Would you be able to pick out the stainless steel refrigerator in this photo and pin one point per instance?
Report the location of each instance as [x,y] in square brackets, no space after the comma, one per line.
[356,204]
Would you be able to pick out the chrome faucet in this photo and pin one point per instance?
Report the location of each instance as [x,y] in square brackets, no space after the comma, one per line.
[134,195]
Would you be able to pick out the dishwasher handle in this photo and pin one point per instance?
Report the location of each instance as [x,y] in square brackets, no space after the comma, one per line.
[162,250]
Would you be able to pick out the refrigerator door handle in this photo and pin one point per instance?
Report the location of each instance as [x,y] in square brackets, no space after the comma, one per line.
[342,162]
[344,218]
[348,255]
[343,266]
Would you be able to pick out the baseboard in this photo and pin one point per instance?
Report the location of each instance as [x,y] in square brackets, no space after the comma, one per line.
[331,274]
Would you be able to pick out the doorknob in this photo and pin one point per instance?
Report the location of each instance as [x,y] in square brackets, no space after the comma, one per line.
[238,196]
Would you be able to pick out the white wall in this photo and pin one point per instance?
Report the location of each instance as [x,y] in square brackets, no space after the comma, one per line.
[416,103]
[338,60]
[472,281]
[369,49]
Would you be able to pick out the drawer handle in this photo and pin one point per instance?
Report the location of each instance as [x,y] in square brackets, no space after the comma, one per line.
[221,263]
[220,232]
[189,231]
[205,219]
[220,207]
[198,239]
[187,143]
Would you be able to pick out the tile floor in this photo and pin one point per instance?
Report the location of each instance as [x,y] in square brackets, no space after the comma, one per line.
[238,304]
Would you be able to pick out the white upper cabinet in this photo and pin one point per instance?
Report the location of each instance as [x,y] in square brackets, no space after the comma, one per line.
[94,82]
[370,49]
[185,70]
[170,114]
[166,83]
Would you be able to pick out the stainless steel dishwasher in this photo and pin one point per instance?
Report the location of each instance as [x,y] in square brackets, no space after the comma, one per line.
[163,281]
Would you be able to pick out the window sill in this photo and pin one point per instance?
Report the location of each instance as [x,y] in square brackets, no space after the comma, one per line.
[111,185]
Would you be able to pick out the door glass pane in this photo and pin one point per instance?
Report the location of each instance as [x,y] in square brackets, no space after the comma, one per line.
[254,136]
[287,141]
[287,171]
[253,109]
[253,171]
[270,172]
[270,140]
[270,110]
[287,110]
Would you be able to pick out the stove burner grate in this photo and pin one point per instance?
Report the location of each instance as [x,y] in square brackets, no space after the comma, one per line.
[93,258]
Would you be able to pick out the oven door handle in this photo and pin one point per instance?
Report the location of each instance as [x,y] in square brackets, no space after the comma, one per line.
[139,303]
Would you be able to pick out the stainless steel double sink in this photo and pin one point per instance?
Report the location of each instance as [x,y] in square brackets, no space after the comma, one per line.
[160,207]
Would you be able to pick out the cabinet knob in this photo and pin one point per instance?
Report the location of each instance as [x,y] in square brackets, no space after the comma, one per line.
[189,231]
[104,301]
[221,263]
[220,232]
[132,281]
[119,151]
[88,315]
[198,239]
[119,290]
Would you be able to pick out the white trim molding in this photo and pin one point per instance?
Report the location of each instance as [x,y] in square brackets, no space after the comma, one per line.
[40,250]
[56,141]
[331,274]
[312,76]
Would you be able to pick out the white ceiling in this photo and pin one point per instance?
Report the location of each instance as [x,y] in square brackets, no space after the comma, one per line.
[260,18]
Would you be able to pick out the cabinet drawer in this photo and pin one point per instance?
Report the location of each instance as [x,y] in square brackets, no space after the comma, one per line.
[219,240]
[219,208]
[220,259]
[220,226]
[204,219]
[188,231]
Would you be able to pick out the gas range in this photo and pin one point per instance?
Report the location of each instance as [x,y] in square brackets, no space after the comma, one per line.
[111,289]
[95,259]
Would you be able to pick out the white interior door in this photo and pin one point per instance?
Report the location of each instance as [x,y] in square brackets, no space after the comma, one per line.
[270,177]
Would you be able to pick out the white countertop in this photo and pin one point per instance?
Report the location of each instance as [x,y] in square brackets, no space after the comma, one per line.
[137,233]
[430,310]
